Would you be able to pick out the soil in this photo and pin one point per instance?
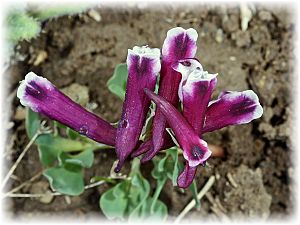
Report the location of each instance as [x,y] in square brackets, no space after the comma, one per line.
[82,51]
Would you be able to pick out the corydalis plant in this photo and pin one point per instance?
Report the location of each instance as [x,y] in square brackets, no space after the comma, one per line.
[181,78]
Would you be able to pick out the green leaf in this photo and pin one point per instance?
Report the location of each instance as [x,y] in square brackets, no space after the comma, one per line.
[72,134]
[50,147]
[158,213]
[168,166]
[139,191]
[65,181]
[48,154]
[84,159]
[114,206]
[32,122]
[66,145]
[117,83]
[126,199]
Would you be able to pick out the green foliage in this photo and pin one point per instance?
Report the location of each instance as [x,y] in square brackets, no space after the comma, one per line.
[21,26]
[117,83]
[64,180]
[24,23]
[169,167]
[67,176]
[49,10]
[131,199]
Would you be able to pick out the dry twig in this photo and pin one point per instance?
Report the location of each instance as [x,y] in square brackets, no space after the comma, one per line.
[21,195]
[192,203]
[42,130]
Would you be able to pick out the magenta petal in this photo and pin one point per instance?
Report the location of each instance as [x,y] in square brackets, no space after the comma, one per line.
[185,179]
[144,147]
[195,92]
[232,108]
[195,150]
[179,44]
[43,97]
[147,145]
[143,67]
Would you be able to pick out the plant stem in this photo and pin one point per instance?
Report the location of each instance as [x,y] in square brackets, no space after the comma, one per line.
[159,187]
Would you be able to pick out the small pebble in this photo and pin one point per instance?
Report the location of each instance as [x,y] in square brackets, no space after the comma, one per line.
[40,58]
[94,15]
[20,113]
[42,187]
[9,125]
[246,16]
[265,16]
[219,36]
[232,58]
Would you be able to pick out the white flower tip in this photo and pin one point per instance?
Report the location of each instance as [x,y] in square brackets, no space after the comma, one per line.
[22,88]
[191,32]
[258,112]
[31,76]
[145,51]
[200,75]
[186,66]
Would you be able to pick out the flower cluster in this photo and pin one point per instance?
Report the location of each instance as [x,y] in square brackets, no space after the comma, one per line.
[182,80]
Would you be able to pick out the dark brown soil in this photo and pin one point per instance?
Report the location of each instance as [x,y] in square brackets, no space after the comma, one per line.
[84,51]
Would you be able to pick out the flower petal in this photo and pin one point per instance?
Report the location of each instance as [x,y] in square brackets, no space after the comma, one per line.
[143,67]
[43,97]
[195,150]
[185,67]
[195,92]
[185,179]
[232,108]
[179,44]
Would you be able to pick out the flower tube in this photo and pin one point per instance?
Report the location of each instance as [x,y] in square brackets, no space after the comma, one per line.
[195,150]
[195,93]
[232,108]
[43,97]
[179,44]
[143,67]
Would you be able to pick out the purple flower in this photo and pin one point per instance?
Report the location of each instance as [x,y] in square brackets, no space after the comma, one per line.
[195,150]
[143,67]
[179,44]
[230,108]
[194,92]
[43,97]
